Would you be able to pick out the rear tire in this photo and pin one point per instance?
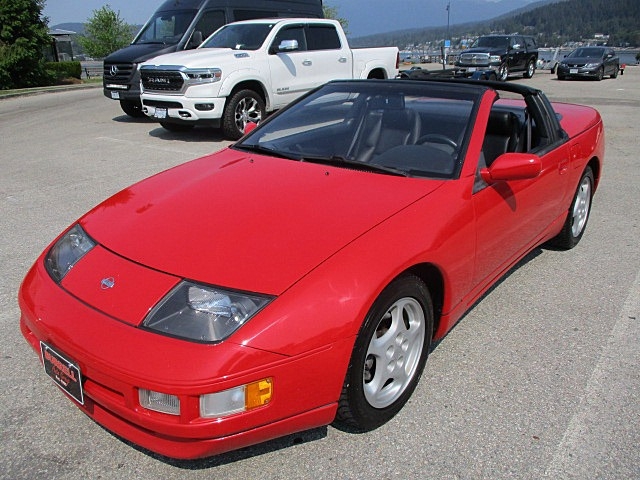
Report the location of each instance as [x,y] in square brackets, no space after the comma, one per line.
[530,70]
[578,214]
[388,356]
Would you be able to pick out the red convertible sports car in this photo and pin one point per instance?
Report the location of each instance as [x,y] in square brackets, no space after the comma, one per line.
[299,276]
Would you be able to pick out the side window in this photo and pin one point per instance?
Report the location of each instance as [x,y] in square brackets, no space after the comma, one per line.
[295,32]
[322,37]
[531,42]
[210,22]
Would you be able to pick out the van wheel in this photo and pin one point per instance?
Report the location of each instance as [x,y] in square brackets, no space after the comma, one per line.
[132,108]
[243,107]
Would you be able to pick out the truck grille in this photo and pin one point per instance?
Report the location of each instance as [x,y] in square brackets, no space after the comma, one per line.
[162,80]
[474,59]
[117,72]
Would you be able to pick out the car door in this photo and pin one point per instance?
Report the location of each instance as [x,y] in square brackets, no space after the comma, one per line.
[517,53]
[511,216]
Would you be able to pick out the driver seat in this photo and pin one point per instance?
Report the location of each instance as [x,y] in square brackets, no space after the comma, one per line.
[502,135]
[385,129]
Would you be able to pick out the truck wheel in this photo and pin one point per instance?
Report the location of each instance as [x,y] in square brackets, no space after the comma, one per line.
[503,72]
[132,108]
[243,107]
[531,69]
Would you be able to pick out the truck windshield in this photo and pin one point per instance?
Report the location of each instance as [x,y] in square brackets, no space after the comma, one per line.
[239,36]
[166,27]
[492,42]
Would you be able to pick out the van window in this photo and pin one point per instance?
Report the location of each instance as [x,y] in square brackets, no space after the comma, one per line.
[322,37]
[210,22]
[166,27]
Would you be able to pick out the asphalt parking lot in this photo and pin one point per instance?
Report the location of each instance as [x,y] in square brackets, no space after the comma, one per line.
[541,379]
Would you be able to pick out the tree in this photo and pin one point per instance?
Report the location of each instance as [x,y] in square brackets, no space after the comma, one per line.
[24,36]
[105,33]
[332,13]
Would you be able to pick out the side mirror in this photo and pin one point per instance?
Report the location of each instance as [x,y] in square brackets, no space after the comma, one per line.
[196,39]
[288,46]
[512,166]
[249,127]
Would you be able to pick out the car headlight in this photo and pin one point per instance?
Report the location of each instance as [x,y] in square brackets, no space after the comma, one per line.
[591,65]
[203,313]
[66,252]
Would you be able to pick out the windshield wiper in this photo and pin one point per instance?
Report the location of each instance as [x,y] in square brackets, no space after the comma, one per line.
[341,161]
[267,151]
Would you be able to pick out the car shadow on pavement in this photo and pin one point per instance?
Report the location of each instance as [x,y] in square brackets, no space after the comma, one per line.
[128,119]
[196,134]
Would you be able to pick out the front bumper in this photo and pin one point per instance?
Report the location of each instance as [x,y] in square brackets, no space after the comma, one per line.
[182,109]
[468,71]
[584,72]
[116,359]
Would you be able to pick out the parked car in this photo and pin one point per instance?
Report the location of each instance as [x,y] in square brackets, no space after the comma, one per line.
[589,62]
[299,276]
[248,69]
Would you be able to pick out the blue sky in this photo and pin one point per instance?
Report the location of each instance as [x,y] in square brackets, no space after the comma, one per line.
[364,16]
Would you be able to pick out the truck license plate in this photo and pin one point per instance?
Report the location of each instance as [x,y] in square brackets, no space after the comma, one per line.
[160,113]
[115,95]
[64,372]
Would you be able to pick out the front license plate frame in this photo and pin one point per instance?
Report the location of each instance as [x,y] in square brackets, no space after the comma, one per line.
[65,373]
[115,95]
[160,113]
[573,71]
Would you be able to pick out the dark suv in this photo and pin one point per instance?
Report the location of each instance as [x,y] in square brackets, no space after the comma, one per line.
[501,54]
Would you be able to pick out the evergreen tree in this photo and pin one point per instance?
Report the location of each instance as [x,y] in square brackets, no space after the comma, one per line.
[24,36]
[105,33]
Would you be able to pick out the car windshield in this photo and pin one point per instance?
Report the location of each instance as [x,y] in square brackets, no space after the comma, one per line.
[249,36]
[166,28]
[492,42]
[587,52]
[414,129]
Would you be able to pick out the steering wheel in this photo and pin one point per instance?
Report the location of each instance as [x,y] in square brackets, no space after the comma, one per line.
[437,138]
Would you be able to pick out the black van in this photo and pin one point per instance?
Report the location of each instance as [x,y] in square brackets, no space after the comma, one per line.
[181,25]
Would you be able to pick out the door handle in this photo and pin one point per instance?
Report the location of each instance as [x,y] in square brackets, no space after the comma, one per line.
[342,59]
[306,63]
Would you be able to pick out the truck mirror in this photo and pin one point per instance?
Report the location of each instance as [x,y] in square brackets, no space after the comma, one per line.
[288,46]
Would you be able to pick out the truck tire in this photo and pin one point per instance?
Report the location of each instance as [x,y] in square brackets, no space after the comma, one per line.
[503,72]
[244,106]
[132,108]
[531,69]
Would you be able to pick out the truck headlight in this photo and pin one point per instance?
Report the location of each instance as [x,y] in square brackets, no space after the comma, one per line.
[495,59]
[203,313]
[203,75]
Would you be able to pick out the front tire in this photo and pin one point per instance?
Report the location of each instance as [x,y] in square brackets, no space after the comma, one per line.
[503,72]
[578,214]
[244,106]
[132,108]
[389,355]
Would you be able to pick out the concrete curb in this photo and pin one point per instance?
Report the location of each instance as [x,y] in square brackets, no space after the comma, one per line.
[23,92]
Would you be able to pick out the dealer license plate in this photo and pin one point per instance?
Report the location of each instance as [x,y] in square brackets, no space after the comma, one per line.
[160,113]
[471,69]
[115,95]
[573,70]
[63,371]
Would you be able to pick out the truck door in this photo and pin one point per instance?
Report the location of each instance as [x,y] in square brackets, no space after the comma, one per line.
[518,53]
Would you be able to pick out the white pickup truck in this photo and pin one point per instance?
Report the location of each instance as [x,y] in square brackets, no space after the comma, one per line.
[246,69]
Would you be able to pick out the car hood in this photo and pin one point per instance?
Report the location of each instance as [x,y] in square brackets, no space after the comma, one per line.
[581,60]
[200,57]
[248,222]
[490,51]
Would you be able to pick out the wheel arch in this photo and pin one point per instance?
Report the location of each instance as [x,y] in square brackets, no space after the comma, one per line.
[596,168]
[254,85]
[433,278]
[377,73]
